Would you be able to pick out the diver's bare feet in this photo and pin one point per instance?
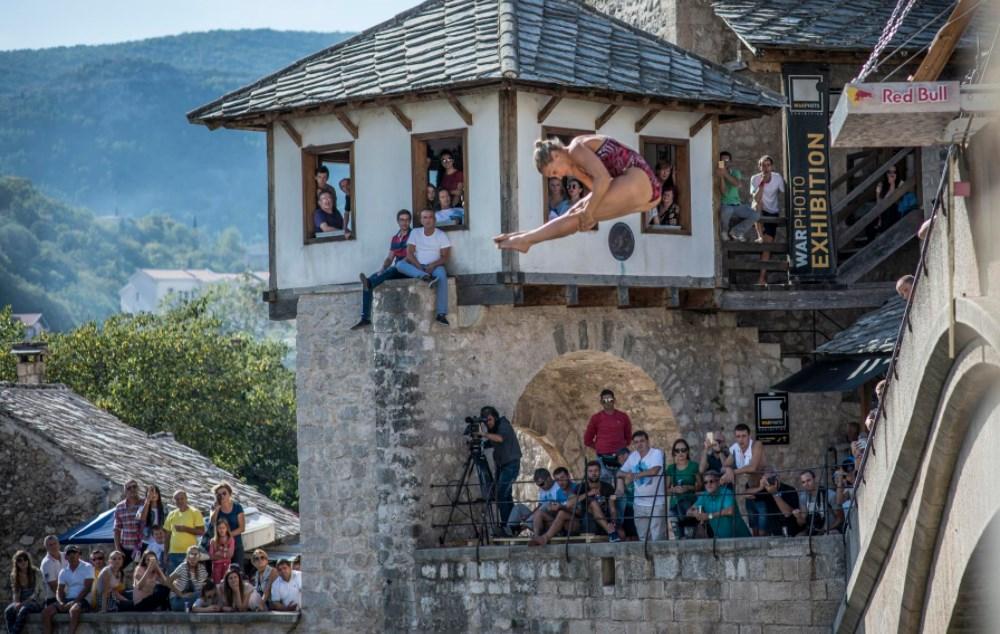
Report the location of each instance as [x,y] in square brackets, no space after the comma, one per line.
[515,241]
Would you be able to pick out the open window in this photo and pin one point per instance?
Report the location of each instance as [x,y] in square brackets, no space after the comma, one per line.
[328,173]
[440,180]
[560,194]
[669,159]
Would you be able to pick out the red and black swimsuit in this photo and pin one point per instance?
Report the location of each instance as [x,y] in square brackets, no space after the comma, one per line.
[617,159]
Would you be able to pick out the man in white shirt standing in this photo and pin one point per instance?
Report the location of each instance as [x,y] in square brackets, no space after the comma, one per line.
[427,250]
[765,187]
[746,458]
[75,582]
[286,591]
[52,564]
[644,467]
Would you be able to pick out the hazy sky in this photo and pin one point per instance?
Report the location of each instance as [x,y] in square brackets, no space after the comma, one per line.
[46,23]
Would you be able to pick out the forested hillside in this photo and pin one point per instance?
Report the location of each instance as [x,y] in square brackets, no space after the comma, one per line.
[104,127]
[68,264]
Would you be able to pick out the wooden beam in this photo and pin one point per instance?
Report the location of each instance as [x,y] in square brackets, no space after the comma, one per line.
[945,41]
[547,109]
[347,123]
[879,249]
[572,295]
[272,216]
[645,119]
[820,299]
[402,118]
[847,233]
[460,109]
[292,133]
[606,116]
[696,128]
[509,259]
[623,297]
[873,178]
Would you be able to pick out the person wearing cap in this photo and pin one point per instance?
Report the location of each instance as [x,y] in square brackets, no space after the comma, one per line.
[286,591]
[75,582]
[608,431]
[716,507]
[128,526]
[843,478]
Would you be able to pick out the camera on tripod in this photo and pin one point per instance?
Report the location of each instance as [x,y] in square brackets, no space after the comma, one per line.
[475,428]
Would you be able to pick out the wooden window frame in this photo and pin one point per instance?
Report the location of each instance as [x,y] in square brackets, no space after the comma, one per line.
[310,161]
[419,169]
[683,158]
[558,130]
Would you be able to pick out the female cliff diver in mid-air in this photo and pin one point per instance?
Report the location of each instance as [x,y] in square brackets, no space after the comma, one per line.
[619,179]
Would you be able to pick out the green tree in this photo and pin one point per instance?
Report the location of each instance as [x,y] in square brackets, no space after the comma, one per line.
[11,332]
[224,394]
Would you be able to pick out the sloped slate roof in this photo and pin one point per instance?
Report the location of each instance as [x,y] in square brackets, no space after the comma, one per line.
[119,452]
[848,25]
[443,43]
[872,333]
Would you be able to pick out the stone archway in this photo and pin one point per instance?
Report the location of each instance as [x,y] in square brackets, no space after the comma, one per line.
[558,401]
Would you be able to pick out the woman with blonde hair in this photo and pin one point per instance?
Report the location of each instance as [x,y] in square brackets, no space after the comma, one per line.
[619,179]
[27,588]
[264,575]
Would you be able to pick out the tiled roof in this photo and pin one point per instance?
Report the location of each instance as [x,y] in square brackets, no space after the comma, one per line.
[28,319]
[848,25]
[118,452]
[872,333]
[202,275]
[443,43]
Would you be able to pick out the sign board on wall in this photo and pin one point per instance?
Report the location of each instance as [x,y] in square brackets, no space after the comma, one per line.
[892,114]
[810,222]
[772,418]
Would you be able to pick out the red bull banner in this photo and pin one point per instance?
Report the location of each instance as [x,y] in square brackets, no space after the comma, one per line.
[807,133]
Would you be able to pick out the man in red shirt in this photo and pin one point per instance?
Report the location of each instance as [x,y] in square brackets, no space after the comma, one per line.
[608,431]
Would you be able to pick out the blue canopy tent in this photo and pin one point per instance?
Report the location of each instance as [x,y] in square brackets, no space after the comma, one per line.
[97,530]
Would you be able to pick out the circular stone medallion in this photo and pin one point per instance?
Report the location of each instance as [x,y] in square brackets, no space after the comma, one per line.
[621,241]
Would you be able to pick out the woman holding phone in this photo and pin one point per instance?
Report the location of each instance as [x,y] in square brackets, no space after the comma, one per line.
[230,510]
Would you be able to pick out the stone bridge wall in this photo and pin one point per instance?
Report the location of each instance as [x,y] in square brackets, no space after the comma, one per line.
[747,585]
[380,415]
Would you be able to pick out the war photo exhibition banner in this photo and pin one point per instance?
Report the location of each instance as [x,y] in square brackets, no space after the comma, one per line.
[810,224]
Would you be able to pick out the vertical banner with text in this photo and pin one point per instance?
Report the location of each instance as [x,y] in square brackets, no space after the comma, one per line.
[810,219]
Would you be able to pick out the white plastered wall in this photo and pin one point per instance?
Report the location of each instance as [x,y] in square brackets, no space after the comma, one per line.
[382,173]
[587,253]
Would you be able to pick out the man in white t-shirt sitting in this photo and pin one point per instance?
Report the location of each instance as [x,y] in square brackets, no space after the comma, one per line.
[75,582]
[427,250]
[286,590]
[644,467]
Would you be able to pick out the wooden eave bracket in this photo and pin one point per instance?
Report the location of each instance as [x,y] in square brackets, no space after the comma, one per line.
[549,106]
[460,109]
[292,133]
[345,121]
[402,118]
[645,119]
[701,123]
[606,116]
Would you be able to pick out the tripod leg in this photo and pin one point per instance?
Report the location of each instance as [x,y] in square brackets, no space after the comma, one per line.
[456,500]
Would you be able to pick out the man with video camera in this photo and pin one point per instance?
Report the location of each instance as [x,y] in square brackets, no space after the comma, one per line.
[506,456]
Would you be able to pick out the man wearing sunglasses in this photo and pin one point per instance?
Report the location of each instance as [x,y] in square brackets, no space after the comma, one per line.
[128,526]
[608,431]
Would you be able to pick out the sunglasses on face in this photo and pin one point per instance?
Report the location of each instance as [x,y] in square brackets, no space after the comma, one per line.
[260,558]
[21,559]
[712,481]
[131,487]
[681,450]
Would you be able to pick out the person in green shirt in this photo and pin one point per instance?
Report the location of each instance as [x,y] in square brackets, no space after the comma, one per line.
[732,206]
[682,482]
[718,507]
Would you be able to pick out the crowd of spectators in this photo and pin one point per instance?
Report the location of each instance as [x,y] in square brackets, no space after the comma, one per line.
[632,491]
[159,562]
